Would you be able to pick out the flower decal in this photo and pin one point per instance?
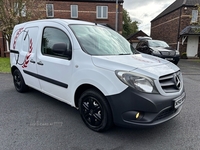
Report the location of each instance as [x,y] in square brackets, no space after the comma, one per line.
[26,61]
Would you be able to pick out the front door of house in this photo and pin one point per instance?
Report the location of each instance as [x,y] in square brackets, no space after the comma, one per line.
[192,45]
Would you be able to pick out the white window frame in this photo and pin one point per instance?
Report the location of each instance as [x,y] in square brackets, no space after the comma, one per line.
[101,16]
[23,10]
[7,46]
[48,11]
[74,8]
[194,16]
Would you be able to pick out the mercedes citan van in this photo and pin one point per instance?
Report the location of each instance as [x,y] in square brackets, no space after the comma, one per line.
[94,69]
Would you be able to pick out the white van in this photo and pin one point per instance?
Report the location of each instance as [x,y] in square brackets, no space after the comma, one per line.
[97,71]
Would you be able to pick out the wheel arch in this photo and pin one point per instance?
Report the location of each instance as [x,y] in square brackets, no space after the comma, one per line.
[13,68]
[83,88]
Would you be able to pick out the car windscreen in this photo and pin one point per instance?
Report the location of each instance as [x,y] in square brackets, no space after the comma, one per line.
[100,40]
[156,43]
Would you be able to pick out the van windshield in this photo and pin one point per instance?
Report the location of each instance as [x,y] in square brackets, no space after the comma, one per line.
[100,40]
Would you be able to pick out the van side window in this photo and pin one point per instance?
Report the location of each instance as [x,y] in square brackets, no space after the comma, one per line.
[56,43]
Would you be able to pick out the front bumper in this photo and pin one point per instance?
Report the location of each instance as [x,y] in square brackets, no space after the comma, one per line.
[174,59]
[153,108]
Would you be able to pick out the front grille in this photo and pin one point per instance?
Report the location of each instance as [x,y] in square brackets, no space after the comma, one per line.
[168,53]
[165,113]
[171,83]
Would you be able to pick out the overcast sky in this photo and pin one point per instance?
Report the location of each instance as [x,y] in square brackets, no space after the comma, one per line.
[144,11]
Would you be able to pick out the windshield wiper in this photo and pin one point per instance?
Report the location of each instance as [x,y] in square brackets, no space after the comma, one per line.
[125,54]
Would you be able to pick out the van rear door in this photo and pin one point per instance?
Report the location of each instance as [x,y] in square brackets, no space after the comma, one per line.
[28,51]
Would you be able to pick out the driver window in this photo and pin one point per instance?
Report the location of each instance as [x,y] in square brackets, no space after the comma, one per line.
[56,43]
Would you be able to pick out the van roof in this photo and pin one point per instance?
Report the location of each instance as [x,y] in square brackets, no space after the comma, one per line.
[65,21]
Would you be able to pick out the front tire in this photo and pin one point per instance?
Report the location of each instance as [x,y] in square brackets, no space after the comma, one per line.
[19,83]
[95,111]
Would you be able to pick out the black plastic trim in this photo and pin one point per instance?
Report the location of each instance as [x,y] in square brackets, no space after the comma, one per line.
[125,106]
[46,79]
[14,51]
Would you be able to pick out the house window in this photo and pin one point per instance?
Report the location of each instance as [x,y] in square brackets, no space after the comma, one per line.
[20,8]
[49,10]
[102,12]
[23,10]
[74,11]
[194,16]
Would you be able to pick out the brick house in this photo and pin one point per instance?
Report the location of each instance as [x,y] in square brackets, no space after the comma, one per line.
[133,38]
[98,11]
[177,25]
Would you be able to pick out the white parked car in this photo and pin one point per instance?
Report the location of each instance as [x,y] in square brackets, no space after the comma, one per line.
[95,70]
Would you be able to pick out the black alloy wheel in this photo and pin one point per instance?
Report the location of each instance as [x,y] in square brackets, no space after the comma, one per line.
[95,111]
[19,83]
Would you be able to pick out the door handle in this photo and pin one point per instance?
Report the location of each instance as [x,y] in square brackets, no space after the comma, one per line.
[32,61]
[40,63]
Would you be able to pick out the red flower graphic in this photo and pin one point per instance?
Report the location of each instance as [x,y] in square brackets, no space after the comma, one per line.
[26,61]
[16,37]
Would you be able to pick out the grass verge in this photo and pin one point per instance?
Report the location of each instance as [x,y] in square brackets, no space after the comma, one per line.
[4,65]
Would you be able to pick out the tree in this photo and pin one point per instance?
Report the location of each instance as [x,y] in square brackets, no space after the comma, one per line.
[129,26]
[13,12]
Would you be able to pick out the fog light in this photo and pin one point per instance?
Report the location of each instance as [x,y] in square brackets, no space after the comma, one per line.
[133,116]
[137,115]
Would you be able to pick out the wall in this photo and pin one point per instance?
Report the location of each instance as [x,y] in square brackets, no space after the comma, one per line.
[87,12]
[1,45]
[185,21]
[168,27]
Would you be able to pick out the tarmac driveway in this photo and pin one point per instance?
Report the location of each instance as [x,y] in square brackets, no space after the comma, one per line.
[189,66]
[34,121]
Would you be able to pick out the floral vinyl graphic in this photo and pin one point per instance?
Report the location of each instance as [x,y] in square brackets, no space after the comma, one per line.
[26,61]
[16,37]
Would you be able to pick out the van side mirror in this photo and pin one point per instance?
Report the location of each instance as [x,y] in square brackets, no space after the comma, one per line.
[60,49]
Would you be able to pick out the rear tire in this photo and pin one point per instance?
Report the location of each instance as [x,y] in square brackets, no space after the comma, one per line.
[19,83]
[95,111]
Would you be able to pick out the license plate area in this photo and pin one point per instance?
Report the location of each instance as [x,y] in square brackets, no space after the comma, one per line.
[169,58]
[179,101]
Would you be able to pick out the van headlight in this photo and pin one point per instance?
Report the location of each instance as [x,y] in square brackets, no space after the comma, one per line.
[136,81]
